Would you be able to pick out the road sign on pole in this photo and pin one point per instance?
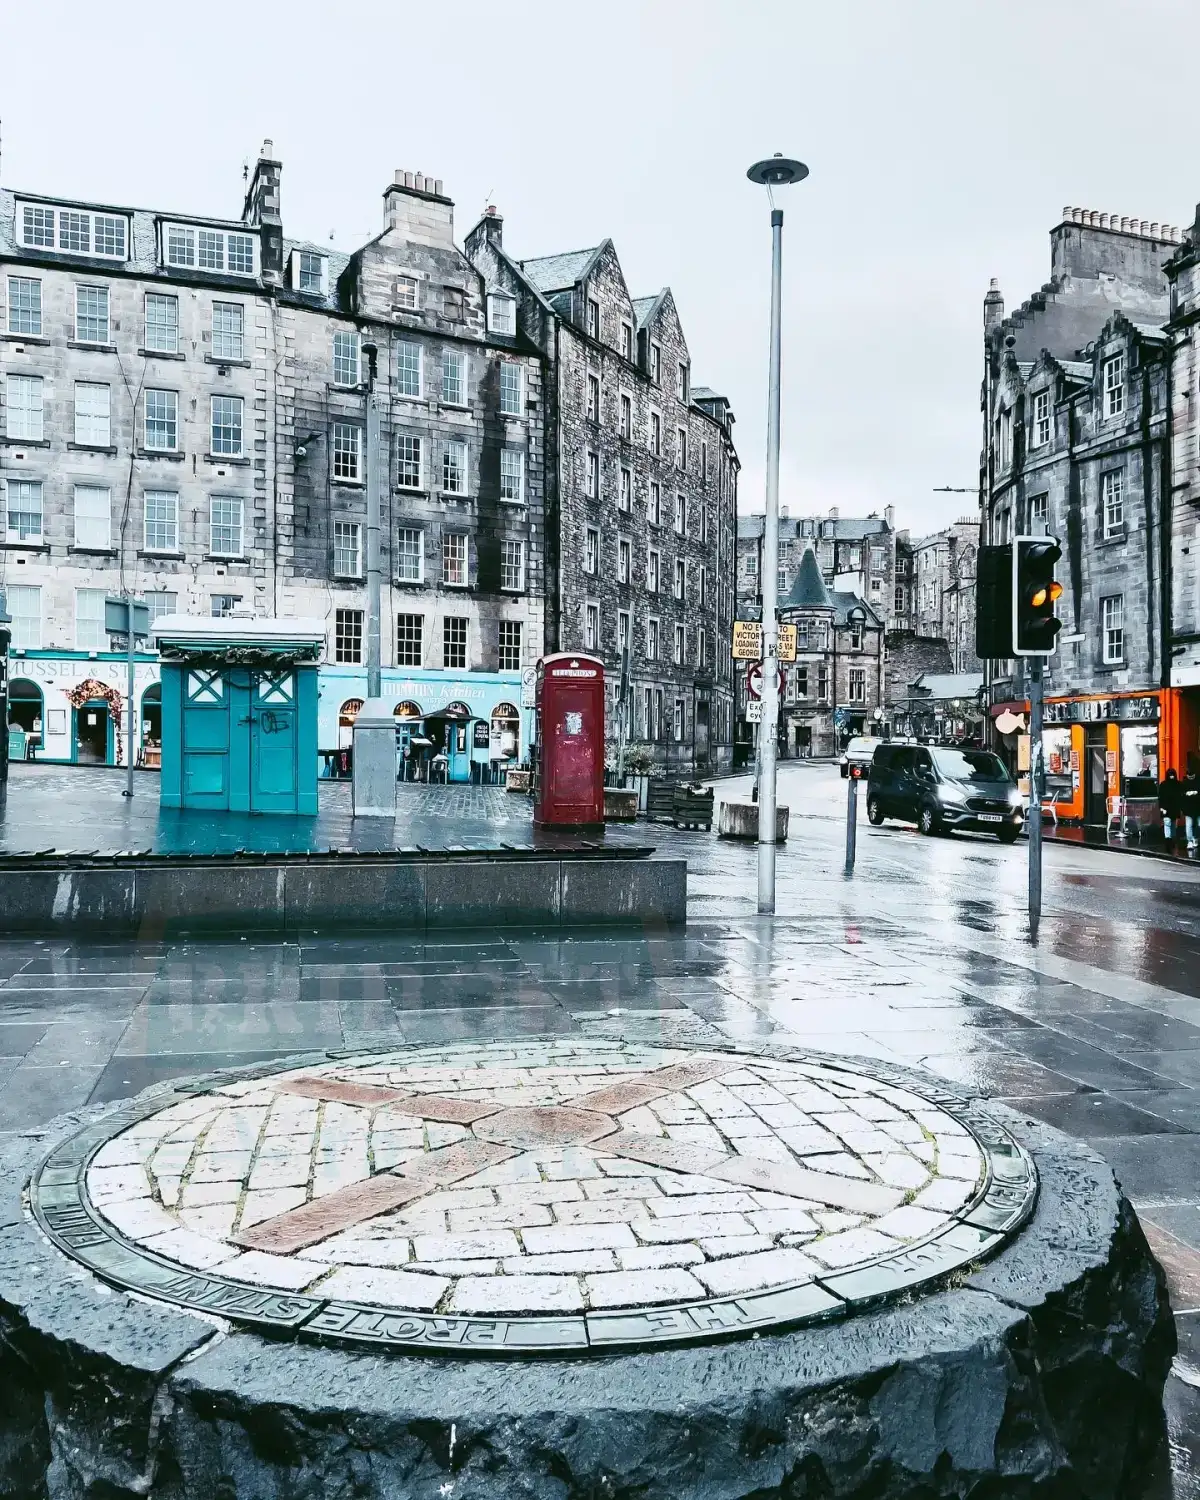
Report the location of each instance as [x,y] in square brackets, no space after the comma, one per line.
[787,643]
[754,680]
[747,640]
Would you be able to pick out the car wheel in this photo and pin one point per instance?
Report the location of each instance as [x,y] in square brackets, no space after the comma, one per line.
[1008,835]
[874,812]
[927,821]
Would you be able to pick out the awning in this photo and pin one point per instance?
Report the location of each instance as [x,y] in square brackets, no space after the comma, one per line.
[1012,706]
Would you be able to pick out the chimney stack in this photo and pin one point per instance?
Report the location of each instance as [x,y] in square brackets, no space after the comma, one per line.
[993,305]
[415,207]
[262,211]
[889,516]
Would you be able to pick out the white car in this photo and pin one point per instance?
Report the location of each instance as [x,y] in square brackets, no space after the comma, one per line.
[859,752]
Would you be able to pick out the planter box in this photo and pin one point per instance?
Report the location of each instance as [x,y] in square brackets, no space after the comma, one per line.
[660,800]
[518,781]
[693,809]
[739,820]
[620,805]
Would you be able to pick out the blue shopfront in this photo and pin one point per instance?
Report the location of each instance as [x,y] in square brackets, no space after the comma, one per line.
[462,728]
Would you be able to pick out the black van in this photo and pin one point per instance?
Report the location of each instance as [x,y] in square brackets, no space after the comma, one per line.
[939,788]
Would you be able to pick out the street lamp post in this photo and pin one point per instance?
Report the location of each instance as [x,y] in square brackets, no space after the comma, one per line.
[776,171]
[373,477]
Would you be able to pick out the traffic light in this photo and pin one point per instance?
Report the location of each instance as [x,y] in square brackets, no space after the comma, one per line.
[994,603]
[1035,594]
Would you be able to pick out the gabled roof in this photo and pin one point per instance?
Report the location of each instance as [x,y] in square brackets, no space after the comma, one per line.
[808,587]
[644,308]
[557,273]
[706,393]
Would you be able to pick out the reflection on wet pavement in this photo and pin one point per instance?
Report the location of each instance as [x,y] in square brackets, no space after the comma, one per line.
[922,958]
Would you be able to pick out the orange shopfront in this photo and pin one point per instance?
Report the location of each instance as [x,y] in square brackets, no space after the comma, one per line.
[1103,747]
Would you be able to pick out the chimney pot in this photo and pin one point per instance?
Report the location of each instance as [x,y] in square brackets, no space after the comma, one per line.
[1068,211]
[437,186]
[408,179]
[1154,228]
[1077,216]
[1125,222]
[1093,218]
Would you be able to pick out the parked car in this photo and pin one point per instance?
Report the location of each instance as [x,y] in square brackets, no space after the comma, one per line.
[858,753]
[939,788]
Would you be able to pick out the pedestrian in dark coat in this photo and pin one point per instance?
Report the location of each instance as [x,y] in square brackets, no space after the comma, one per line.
[1189,792]
[1170,801]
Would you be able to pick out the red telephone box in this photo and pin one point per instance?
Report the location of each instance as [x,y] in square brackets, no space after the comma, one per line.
[570,708]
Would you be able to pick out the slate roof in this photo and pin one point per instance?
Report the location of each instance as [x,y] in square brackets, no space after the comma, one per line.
[555,273]
[1077,369]
[808,587]
[847,529]
[843,603]
[644,308]
[706,393]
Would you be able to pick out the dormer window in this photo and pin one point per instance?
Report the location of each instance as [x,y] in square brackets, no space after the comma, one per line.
[1114,385]
[77,231]
[404,293]
[310,273]
[502,314]
[188,247]
[1041,419]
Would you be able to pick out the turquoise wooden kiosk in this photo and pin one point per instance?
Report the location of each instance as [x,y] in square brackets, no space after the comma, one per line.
[239,713]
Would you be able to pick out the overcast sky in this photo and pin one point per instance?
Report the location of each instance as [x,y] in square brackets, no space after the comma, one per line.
[943,138]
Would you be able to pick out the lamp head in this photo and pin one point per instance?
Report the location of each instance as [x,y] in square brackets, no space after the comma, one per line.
[777,171]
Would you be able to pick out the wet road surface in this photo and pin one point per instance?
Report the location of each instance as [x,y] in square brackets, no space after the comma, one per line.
[922,956]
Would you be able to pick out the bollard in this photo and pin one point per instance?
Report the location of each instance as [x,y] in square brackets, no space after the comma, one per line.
[851,816]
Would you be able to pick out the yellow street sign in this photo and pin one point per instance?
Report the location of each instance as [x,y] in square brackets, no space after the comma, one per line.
[747,640]
[787,643]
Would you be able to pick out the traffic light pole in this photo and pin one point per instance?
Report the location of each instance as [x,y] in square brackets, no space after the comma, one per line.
[1035,794]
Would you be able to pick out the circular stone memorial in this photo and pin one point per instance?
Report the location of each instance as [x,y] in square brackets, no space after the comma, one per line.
[570,1267]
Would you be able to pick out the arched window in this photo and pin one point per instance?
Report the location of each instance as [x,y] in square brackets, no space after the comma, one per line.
[346,717]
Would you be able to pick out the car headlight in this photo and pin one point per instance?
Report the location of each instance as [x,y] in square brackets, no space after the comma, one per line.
[952,799]
[1015,799]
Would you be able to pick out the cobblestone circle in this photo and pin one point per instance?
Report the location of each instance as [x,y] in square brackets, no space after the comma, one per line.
[549,1194]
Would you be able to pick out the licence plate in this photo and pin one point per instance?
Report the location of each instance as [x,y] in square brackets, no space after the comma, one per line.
[991,818]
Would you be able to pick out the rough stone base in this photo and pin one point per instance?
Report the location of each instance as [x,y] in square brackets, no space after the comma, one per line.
[1039,1373]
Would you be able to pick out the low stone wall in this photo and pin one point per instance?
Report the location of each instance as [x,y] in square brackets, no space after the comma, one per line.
[148,896]
[1038,1373]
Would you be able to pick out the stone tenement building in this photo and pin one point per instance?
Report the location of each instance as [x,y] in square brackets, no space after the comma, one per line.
[1182,558]
[643,497]
[830,571]
[184,416]
[939,584]
[1076,403]
[855,554]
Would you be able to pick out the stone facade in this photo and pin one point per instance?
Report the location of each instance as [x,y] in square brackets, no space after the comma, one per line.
[855,554]
[1076,403]
[935,590]
[1183,272]
[224,459]
[838,684]
[643,492]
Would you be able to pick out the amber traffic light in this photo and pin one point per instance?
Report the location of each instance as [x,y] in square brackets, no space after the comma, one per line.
[1035,592]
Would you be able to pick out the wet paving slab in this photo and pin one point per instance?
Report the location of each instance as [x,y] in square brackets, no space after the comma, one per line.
[922,958]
